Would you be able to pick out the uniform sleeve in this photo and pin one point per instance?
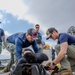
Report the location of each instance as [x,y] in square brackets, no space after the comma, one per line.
[63,38]
[35,48]
[18,44]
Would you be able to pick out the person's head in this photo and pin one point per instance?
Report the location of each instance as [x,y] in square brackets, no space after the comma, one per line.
[52,33]
[31,35]
[37,27]
[71,30]
[30,56]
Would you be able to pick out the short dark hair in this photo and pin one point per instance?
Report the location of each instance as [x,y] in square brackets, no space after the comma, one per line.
[31,31]
[37,25]
[52,29]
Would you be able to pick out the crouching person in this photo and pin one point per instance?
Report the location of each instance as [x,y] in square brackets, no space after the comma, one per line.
[18,41]
[65,50]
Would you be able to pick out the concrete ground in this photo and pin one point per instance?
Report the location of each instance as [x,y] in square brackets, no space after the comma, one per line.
[2,73]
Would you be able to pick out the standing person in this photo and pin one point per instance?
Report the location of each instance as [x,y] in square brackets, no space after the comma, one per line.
[39,38]
[19,41]
[65,50]
[2,39]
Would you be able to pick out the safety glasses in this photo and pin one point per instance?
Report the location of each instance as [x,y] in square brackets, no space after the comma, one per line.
[37,27]
[34,34]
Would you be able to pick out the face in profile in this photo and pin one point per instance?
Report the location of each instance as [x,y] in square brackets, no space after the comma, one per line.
[31,38]
[53,35]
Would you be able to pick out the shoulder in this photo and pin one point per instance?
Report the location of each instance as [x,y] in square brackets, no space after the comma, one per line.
[21,38]
[19,33]
[39,34]
[63,37]
[63,34]
[1,30]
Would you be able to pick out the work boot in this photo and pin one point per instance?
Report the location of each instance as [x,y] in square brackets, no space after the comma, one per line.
[5,70]
[64,72]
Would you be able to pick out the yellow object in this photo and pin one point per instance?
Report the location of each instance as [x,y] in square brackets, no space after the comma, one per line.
[47,46]
[58,65]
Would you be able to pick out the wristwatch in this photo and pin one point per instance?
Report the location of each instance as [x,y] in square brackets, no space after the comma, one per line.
[53,63]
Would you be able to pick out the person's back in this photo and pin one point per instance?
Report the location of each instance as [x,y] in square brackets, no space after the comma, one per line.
[13,37]
[64,37]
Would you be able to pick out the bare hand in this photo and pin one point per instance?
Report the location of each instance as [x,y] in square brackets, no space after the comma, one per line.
[48,64]
[52,66]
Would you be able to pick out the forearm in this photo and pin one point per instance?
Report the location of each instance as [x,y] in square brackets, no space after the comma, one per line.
[18,51]
[62,53]
[36,50]
[59,57]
